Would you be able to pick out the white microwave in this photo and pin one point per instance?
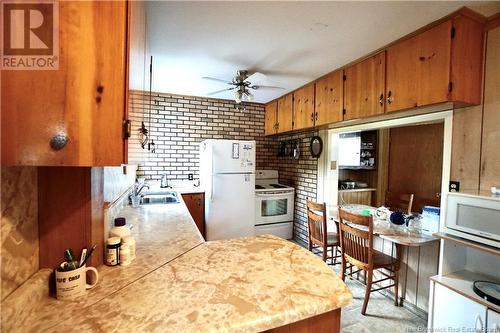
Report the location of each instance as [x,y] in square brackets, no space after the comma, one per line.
[473,217]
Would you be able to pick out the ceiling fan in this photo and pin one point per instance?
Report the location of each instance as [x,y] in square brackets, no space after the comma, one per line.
[242,85]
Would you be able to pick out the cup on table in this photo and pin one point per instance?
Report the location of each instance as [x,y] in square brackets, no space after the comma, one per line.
[71,285]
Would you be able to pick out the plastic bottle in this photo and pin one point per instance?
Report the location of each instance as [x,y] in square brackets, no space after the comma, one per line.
[130,241]
[120,229]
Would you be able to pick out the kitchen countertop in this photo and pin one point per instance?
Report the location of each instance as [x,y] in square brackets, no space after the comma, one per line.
[162,233]
[241,285]
[180,282]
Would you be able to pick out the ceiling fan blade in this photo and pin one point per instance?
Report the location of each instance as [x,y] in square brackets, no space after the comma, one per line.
[215,79]
[222,90]
[256,78]
[256,87]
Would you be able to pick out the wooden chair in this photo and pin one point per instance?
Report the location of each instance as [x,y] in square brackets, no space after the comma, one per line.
[318,237]
[356,241]
[399,202]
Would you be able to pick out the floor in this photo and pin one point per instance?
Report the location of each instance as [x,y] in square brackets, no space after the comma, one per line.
[381,314]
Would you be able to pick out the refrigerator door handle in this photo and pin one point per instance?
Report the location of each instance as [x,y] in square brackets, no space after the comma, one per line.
[211,179]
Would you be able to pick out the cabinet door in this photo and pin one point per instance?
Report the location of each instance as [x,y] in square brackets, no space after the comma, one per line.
[195,203]
[450,309]
[364,88]
[83,101]
[285,113]
[402,75]
[303,107]
[270,125]
[434,51]
[329,98]
[418,69]
[490,157]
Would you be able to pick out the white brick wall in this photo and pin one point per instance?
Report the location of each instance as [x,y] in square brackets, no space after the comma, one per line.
[180,123]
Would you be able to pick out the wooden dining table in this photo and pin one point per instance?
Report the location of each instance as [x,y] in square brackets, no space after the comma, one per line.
[401,236]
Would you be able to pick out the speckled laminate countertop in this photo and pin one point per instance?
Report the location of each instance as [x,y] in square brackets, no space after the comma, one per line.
[178,283]
[242,285]
[162,233]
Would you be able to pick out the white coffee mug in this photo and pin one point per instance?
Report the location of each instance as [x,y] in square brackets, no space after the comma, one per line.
[71,285]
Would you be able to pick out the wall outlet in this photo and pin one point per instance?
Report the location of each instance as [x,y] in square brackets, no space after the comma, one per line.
[454,186]
[190,176]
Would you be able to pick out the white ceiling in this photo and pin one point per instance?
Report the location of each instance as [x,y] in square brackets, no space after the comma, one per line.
[291,42]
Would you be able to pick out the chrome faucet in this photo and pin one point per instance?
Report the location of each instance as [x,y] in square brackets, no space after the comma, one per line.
[164,181]
[138,187]
[136,191]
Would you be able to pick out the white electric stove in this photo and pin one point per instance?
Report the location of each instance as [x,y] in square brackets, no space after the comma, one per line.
[274,205]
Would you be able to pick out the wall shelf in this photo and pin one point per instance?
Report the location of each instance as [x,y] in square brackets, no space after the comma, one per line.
[461,282]
[468,243]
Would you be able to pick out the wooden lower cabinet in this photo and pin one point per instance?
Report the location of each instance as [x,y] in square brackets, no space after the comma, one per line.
[195,203]
[355,197]
[328,322]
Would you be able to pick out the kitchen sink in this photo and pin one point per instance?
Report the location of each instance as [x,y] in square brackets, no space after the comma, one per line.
[159,198]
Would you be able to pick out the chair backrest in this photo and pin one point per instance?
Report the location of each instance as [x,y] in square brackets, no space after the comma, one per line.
[401,202]
[316,222]
[356,238]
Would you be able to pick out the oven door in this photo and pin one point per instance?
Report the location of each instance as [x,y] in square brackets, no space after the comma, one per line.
[274,207]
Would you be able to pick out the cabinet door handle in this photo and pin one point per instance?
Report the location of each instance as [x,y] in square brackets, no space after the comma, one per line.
[316,116]
[381,99]
[390,98]
[312,116]
[59,141]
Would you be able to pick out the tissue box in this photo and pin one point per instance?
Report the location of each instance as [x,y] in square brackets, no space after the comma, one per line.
[430,219]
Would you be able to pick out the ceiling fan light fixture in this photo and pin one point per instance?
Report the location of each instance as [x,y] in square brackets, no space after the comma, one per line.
[248,95]
[237,96]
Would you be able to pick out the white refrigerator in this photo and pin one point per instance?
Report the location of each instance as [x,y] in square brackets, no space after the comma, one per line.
[227,174]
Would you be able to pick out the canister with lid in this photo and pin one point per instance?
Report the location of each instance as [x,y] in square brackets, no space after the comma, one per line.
[113,251]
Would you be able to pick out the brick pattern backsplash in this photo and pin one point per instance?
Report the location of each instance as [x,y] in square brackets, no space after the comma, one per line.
[180,123]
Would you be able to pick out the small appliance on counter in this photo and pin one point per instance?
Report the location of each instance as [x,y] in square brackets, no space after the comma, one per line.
[274,205]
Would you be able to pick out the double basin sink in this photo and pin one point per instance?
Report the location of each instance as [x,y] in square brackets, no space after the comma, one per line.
[158,198]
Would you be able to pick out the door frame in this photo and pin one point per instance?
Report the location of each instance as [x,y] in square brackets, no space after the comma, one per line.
[328,175]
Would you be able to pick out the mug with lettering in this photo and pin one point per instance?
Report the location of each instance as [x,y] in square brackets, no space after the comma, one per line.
[71,285]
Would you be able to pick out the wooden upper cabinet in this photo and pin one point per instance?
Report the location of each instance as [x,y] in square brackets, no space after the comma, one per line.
[271,121]
[329,98]
[364,87]
[467,60]
[285,113]
[303,107]
[71,116]
[442,64]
